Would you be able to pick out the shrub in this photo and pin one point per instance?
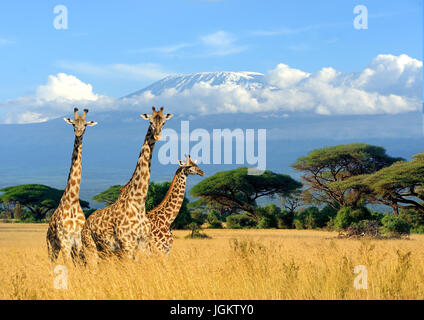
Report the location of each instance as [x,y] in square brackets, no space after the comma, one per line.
[213,220]
[343,219]
[360,214]
[419,229]
[195,232]
[347,216]
[238,221]
[285,219]
[363,228]
[309,218]
[197,217]
[197,235]
[396,226]
[415,219]
[267,222]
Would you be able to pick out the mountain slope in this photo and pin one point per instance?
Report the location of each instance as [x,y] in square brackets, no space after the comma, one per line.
[249,80]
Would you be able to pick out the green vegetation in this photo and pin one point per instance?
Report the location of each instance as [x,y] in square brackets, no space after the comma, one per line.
[327,165]
[342,185]
[239,191]
[32,202]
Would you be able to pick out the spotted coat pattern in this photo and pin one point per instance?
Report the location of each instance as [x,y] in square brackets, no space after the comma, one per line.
[64,231]
[162,216]
[120,228]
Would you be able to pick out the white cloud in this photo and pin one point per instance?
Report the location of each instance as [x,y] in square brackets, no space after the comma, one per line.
[388,74]
[283,76]
[58,96]
[139,71]
[221,43]
[388,85]
[68,87]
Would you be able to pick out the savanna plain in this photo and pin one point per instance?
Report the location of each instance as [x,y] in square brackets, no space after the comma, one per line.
[232,264]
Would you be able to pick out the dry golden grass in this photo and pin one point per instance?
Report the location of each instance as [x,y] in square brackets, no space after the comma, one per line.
[234,264]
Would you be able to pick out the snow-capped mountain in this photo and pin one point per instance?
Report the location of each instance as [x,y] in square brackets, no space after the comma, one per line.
[181,82]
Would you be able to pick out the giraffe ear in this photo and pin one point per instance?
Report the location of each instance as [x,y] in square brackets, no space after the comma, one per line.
[180,163]
[91,123]
[68,120]
[144,116]
[168,116]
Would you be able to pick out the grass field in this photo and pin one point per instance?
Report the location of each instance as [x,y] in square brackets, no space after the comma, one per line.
[233,264]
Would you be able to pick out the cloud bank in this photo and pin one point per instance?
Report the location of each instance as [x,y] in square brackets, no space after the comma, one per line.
[388,85]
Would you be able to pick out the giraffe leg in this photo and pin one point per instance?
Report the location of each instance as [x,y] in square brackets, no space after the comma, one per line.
[76,251]
[53,249]
[127,249]
[88,252]
[169,240]
[145,247]
[66,251]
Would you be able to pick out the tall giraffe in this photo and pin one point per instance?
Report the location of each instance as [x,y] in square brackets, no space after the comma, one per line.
[165,213]
[122,226]
[64,232]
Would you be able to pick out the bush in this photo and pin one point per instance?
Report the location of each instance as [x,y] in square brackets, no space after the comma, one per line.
[360,214]
[213,220]
[195,232]
[198,217]
[267,222]
[396,226]
[285,219]
[343,219]
[363,228]
[239,221]
[419,230]
[415,219]
[309,218]
[347,216]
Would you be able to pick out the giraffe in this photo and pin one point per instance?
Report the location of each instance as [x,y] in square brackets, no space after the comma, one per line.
[122,226]
[165,213]
[64,231]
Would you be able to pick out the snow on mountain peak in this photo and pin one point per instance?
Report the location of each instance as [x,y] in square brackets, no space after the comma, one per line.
[181,82]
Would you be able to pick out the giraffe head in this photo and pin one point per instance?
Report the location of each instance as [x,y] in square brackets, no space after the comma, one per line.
[79,122]
[157,119]
[190,166]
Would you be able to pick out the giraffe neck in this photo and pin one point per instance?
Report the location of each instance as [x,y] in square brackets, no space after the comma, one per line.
[171,204]
[74,178]
[136,189]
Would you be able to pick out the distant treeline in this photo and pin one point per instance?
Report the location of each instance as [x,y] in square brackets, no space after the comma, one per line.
[339,184]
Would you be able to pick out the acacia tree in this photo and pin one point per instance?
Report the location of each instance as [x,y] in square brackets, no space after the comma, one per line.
[327,165]
[238,190]
[205,207]
[39,199]
[292,201]
[400,185]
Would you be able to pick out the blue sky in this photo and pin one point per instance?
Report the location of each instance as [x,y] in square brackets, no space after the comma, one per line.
[138,42]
